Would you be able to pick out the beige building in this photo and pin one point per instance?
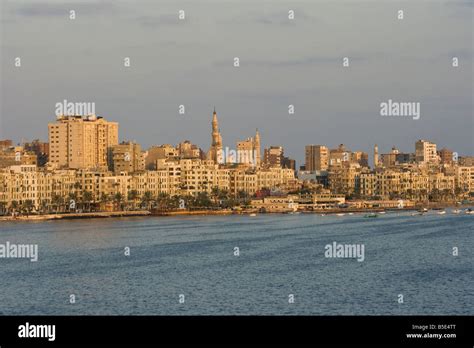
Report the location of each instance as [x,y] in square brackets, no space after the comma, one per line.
[425,152]
[81,142]
[316,157]
[126,157]
[16,155]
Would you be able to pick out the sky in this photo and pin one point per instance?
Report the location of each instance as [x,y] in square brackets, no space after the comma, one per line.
[190,62]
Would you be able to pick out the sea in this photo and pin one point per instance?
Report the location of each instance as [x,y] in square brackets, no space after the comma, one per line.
[268,264]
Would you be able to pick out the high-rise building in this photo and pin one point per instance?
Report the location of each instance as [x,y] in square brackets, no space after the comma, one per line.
[215,150]
[316,157]
[425,152]
[81,142]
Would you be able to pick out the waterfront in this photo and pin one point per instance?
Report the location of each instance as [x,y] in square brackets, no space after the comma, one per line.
[280,254]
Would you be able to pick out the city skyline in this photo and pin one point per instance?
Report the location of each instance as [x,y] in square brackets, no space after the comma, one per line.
[186,63]
[217,148]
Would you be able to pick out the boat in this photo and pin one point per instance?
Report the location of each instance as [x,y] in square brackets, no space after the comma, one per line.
[381,212]
[456,211]
[340,214]
[423,210]
[351,213]
[442,212]
[253,214]
[469,211]
[371,215]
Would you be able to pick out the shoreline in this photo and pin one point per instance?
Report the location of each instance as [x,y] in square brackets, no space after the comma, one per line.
[205,212]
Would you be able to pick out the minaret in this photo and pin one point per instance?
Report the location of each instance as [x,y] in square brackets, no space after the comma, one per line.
[216,141]
[376,156]
[256,148]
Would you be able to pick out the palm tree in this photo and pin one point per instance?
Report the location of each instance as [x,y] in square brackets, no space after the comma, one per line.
[118,198]
[132,196]
[28,206]
[14,206]
[87,198]
[57,200]
[147,199]
[163,200]
[43,206]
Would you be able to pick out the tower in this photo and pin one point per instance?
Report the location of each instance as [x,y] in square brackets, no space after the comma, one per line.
[256,148]
[376,156]
[215,152]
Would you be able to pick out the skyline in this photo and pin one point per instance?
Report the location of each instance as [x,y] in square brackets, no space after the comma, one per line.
[190,63]
[224,147]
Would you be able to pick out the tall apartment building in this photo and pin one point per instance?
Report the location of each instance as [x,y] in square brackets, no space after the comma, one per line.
[316,157]
[425,152]
[81,142]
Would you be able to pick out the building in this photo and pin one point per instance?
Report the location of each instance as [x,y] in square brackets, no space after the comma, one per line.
[187,150]
[81,142]
[339,156]
[155,153]
[5,144]
[316,158]
[446,156]
[127,157]
[41,149]
[376,156]
[248,151]
[425,152]
[16,155]
[361,158]
[215,151]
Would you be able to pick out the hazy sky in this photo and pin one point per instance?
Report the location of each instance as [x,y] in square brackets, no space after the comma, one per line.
[283,62]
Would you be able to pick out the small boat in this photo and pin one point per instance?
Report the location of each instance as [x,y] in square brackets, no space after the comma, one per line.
[253,214]
[442,212]
[340,214]
[456,211]
[469,211]
[381,212]
[323,214]
[371,215]
[423,210]
[351,213]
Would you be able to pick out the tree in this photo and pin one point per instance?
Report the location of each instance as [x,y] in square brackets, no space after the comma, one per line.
[132,196]
[163,200]
[118,198]
[57,201]
[28,206]
[87,198]
[14,206]
[147,199]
